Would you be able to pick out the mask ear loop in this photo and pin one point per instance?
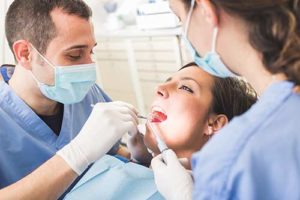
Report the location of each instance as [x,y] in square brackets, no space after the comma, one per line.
[48,62]
[45,59]
[214,39]
[189,18]
[36,80]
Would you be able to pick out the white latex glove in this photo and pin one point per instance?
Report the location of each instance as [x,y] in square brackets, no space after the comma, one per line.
[173,181]
[105,126]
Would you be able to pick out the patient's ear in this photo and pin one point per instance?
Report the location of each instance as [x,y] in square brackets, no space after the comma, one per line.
[216,123]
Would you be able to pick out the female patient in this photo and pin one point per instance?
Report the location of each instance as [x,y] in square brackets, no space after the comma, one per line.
[197,105]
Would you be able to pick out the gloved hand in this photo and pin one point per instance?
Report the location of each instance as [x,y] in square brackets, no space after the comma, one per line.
[173,181]
[137,148]
[105,126]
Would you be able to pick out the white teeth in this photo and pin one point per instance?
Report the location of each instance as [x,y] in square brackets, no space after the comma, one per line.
[159,109]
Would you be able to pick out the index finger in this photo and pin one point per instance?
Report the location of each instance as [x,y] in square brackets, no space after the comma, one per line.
[128,105]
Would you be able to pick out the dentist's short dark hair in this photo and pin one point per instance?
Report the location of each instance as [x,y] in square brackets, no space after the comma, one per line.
[31,20]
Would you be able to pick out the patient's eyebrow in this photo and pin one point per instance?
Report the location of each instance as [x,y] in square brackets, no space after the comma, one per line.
[190,79]
[184,79]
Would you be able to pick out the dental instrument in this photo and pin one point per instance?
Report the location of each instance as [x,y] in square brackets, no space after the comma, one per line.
[156,117]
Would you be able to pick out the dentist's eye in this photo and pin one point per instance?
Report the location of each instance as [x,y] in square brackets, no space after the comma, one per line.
[186,88]
[74,57]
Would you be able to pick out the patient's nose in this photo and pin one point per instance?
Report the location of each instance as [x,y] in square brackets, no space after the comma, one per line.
[162,91]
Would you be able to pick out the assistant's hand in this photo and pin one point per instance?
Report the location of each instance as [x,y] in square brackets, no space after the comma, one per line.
[107,123]
[138,149]
[173,181]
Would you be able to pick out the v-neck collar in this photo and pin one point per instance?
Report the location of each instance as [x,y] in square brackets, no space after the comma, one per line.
[24,115]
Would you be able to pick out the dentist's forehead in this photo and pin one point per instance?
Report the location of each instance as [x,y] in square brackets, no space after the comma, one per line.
[71,32]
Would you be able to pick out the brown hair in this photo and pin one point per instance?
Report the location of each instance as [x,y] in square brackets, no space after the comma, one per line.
[31,20]
[231,96]
[274,30]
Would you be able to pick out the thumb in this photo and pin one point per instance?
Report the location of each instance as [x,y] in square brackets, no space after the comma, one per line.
[124,104]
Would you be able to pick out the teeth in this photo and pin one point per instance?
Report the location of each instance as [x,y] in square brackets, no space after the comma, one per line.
[159,109]
[157,115]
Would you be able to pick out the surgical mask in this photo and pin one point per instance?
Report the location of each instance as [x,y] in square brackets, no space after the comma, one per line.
[211,62]
[71,84]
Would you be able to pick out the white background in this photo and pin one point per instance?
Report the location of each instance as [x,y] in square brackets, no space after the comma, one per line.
[99,16]
[5,53]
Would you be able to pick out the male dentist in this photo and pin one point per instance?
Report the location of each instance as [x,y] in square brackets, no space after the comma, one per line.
[47,101]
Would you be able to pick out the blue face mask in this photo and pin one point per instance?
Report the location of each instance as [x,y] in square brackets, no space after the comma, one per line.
[72,83]
[211,62]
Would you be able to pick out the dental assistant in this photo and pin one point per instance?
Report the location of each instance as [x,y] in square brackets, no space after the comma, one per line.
[45,104]
[257,155]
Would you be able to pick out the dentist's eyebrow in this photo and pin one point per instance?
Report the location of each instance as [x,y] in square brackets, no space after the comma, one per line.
[78,47]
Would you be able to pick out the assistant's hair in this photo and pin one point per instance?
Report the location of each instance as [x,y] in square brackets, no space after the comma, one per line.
[274,31]
[31,20]
[231,96]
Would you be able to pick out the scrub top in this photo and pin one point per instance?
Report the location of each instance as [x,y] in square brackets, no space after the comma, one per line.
[257,155]
[111,178]
[26,141]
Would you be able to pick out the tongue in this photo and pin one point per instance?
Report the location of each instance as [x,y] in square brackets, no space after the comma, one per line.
[158,117]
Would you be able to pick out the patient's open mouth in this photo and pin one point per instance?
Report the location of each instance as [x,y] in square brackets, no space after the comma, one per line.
[157,115]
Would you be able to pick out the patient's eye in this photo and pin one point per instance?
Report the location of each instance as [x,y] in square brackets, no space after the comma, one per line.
[186,88]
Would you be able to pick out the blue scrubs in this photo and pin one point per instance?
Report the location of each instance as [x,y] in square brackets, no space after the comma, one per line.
[257,155]
[26,141]
[111,178]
